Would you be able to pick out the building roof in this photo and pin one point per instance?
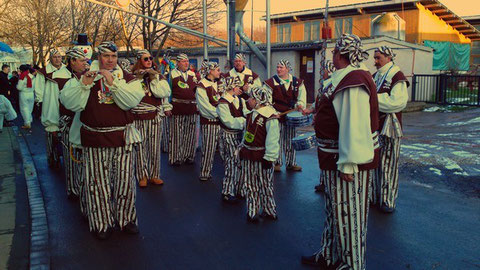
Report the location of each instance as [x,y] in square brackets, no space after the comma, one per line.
[437,8]
[298,46]
[473,20]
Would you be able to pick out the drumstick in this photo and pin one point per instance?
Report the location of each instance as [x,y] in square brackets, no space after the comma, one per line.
[287,112]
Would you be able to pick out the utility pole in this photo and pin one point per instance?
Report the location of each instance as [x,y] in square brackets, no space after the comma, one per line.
[231,31]
[269,45]
[324,49]
[205,41]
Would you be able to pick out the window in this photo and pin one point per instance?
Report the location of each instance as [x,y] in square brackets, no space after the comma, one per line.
[284,32]
[312,31]
[343,25]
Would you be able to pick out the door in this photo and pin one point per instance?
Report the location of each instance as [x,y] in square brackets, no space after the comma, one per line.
[307,73]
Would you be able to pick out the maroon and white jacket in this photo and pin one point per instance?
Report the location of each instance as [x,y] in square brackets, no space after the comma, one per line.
[184,85]
[346,122]
[105,109]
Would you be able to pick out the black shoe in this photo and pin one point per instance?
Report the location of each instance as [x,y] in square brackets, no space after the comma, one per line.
[72,197]
[229,199]
[253,219]
[271,217]
[190,161]
[320,188]
[312,260]
[385,209]
[104,235]
[131,228]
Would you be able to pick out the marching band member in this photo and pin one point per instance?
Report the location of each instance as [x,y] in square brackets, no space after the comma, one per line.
[259,149]
[392,99]
[288,93]
[104,97]
[207,100]
[55,117]
[149,119]
[41,85]
[231,111]
[184,119]
[246,76]
[346,126]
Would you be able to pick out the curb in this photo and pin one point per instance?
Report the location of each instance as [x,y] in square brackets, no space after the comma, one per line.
[39,243]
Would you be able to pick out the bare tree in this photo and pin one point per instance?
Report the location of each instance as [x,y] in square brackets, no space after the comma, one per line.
[36,23]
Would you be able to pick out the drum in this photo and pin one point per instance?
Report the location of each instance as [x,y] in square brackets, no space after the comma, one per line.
[304,141]
[297,119]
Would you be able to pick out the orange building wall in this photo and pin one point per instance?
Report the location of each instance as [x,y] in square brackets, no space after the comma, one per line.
[433,28]
[420,25]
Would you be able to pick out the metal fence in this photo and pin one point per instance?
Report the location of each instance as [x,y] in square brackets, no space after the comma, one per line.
[446,89]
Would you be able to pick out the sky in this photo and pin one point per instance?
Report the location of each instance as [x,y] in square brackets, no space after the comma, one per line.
[460,7]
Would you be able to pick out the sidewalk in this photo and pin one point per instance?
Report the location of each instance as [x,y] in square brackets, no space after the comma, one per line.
[14,222]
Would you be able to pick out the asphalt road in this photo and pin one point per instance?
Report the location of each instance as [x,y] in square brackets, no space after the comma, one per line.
[184,224]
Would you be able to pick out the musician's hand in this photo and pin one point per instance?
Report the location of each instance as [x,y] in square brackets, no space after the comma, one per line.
[139,73]
[299,108]
[168,113]
[307,111]
[237,91]
[251,103]
[88,77]
[245,87]
[346,177]
[107,75]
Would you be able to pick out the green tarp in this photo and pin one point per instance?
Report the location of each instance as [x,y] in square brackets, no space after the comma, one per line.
[449,56]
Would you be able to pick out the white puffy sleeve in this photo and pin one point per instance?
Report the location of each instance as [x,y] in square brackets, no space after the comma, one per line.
[355,143]
[205,108]
[127,95]
[160,87]
[272,142]
[50,109]
[396,101]
[302,96]
[74,95]
[227,119]
[39,86]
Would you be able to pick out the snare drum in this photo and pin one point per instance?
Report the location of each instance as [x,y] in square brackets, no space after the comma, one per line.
[304,141]
[297,119]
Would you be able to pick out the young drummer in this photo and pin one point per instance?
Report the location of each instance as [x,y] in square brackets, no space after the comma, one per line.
[149,119]
[259,149]
[231,110]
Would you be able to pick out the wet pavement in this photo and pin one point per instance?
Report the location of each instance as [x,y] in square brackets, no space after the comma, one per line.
[184,224]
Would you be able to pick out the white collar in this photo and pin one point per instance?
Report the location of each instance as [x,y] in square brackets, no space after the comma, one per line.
[266,111]
[282,81]
[229,97]
[176,72]
[50,68]
[246,71]
[339,74]
[385,68]
[62,73]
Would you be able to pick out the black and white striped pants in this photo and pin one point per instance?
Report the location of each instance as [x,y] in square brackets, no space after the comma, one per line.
[345,231]
[79,174]
[53,155]
[231,184]
[287,133]
[165,134]
[182,140]
[259,186]
[110,187]
[210,138]
[148,153]
[73,179]
[385,182]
